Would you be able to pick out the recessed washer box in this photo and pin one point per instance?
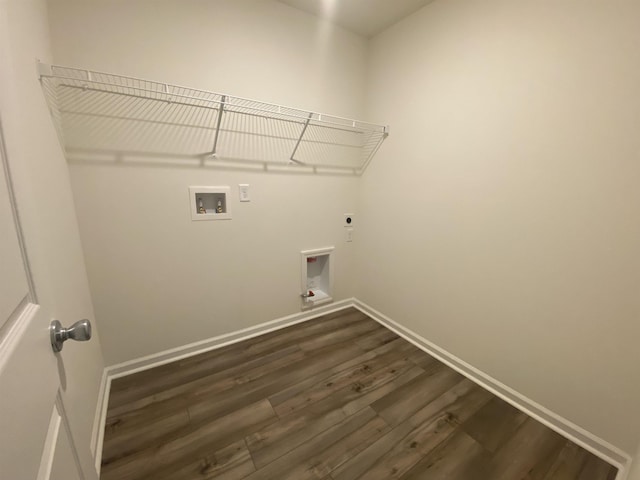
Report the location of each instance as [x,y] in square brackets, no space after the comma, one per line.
[209,203]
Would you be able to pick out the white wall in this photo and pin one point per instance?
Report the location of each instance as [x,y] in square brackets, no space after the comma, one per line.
[500,219]
[158,279]
[45,204]
[496,221]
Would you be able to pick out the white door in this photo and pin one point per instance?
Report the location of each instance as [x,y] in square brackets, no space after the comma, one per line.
[35,384]
[35,440]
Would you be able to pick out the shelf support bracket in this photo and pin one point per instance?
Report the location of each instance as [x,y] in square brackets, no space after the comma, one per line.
[295,149]
[218,122]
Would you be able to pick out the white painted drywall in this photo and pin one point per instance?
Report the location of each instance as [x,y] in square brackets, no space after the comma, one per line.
[47,214]
[500,218]
[160,280]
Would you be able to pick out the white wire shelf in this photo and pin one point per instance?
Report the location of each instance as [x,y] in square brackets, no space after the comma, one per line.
[108,113]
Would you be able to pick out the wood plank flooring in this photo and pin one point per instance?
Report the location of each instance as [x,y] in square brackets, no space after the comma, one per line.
[336,398]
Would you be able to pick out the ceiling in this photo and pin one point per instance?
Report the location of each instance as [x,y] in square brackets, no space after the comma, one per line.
[364,17]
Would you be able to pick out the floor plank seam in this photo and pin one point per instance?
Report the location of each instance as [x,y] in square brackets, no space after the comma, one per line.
[253,462]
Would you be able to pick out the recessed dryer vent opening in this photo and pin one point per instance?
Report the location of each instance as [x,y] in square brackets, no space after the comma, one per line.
[317,277]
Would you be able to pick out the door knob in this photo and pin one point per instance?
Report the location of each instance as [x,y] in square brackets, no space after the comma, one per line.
[79,331]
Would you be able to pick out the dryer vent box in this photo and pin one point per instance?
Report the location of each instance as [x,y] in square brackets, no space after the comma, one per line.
[317,277]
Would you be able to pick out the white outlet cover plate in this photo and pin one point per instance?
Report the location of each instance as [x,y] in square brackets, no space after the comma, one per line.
[351,216]
[243,188]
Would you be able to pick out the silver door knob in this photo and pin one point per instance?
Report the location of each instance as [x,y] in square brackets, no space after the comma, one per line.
[79,331]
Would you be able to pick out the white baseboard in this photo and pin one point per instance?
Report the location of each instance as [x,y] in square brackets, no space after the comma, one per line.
[178,353]
[97,436]
[564,427]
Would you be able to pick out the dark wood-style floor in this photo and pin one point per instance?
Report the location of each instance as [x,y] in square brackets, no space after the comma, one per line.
[336,398]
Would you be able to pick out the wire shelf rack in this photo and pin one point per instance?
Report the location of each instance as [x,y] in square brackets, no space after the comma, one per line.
[108,113]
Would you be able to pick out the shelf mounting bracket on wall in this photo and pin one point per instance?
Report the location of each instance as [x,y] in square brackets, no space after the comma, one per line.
[295,149]
[218,123]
